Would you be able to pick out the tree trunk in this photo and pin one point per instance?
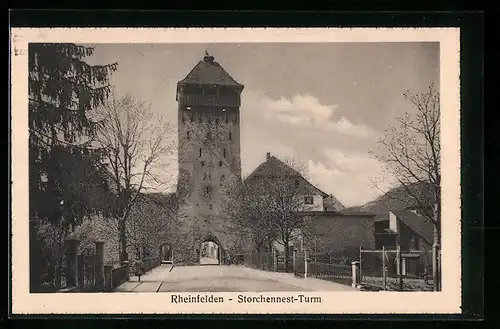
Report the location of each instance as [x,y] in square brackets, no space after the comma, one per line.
[287,255]
[436,248]
[122,241]
[258,254]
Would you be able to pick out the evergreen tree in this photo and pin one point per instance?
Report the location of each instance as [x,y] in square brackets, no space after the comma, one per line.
[66,183]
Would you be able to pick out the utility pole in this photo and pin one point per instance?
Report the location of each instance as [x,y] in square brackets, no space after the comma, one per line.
[384,272]
[400,268]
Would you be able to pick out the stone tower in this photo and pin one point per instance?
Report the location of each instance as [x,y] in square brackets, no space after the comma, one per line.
[208,152]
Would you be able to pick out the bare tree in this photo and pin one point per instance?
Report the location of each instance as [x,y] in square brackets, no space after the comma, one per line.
[248,209]
[137,144]
[410,152]
[273,204]
[152,222]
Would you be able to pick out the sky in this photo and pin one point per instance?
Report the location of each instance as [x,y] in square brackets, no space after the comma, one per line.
[325,104]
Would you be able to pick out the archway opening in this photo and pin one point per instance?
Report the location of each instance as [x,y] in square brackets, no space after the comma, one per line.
[211,252]
[166,253]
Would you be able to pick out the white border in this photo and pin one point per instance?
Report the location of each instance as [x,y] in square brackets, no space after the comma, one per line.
[446,301]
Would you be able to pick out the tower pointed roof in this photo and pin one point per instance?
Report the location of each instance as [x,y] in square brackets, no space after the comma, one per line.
[209,72]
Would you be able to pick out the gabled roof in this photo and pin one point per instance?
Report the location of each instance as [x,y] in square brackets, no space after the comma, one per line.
[419,224]
[274,167]
[209,72]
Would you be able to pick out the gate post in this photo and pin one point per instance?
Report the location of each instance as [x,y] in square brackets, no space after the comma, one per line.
[72,262]
[127,269]
[306,263]
[275,260]
[99,265]
[80,270]
[356,279]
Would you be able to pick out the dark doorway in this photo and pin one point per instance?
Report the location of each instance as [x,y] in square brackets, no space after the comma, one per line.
[166,254]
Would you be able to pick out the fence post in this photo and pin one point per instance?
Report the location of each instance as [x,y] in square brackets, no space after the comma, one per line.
[80,267]
[306,263]
[127,269]
[72,261]
[275,260]
[384,268]
[108,275]
[356,278]
[360,261]
[99,265]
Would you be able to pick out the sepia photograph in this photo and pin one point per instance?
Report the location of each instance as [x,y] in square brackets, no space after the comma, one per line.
[188,169]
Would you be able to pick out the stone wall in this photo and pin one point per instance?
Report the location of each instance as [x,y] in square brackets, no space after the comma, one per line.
[339,233]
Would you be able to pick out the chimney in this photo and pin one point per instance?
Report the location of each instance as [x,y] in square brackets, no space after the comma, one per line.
[268,155]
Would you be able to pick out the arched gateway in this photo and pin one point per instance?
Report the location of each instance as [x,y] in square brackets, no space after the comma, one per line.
[209,158]
[166,253]
[211,251]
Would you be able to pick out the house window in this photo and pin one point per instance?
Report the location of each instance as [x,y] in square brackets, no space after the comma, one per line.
[296,183]
[230,136]
[308,199]
[200,152]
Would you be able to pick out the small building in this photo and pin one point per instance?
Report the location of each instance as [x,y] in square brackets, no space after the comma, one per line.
[405,229]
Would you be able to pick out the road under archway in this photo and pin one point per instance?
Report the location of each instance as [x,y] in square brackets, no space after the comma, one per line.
[211,251]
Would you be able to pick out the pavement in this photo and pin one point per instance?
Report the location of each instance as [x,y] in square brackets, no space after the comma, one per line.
[216,278]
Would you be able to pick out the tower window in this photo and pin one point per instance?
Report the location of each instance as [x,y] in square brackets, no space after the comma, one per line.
[188,135]
[207,189]
[203,163]
[204,175]
[200,152]
[230,136]
[211,207]
[220,163]
[224,153]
